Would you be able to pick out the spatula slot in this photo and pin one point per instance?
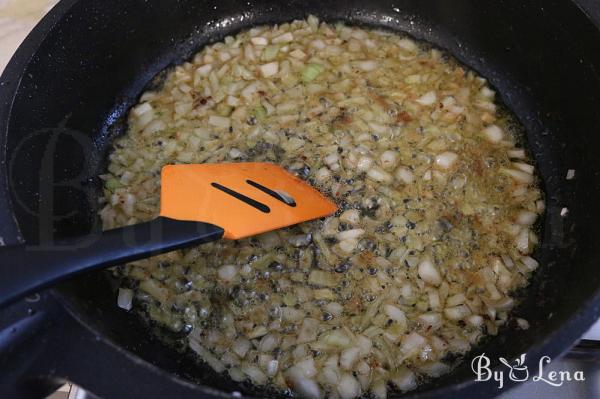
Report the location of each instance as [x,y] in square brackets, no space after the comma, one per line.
[258,205]
[287,199]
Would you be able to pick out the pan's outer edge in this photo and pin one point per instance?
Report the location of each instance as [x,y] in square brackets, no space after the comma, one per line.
[9,82]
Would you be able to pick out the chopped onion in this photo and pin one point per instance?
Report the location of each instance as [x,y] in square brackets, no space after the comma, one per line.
[154,127]
[141,109]
[456,299]
[318,44]
[570,174]
[389,159]
[379,390]
[208,357]
[522,323]
[411,343]
[307,367]
[364,345]
[413,79]
[270,53]
[522,241]
[395,314]
[125,298]
[364,163]
[540,206]
[300,352]
[268,343]
[299,54]
[204,70]
[507,261]
[241,346]
[428,98]
[434,299]
[323,174]
[349,234]
[285,38]
[524,167]
[321,278]
[291,314]
[367,66]
[337,338]
[457,312]
[348,357]
[526,218]
[311,72]
[300,240]
[431,321]
[408,45]
[445,160]
[270,69]
[331,159]
[350,216]
[530,263]
[308,331]
[379,175]
[334,308]
[219,121]
[475,320]
[348,245]
[518,175]
[348,388]
[227,273]
[493,133]
[127,177]
[234,153]
[259,41]
[428,272]
[405,175]
[516,153]
[255,374]
[272,368]
[258,332]
[487,92]
[249,90]
[306,388]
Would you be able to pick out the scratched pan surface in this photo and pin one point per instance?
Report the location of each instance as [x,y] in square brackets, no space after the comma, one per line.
[63,96]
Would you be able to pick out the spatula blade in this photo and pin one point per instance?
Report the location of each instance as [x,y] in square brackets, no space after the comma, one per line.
[244,199]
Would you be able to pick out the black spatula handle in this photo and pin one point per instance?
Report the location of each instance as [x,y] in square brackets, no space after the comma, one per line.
[25,269]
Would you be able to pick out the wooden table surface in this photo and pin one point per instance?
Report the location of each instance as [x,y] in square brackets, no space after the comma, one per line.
[17,18]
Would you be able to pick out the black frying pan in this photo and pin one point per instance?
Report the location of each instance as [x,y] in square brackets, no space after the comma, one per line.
[65,92]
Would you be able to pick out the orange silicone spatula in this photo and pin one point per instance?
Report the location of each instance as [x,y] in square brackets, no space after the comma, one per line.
[245,199]
[199,203]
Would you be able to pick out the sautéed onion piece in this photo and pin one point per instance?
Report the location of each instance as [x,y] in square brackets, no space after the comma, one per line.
[434,233]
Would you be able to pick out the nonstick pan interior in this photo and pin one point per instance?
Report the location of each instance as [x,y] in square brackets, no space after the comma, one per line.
[78,73]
